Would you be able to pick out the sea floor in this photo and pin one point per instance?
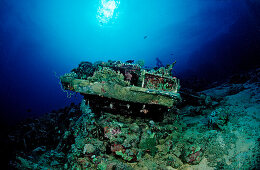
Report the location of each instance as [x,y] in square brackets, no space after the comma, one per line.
[221,130]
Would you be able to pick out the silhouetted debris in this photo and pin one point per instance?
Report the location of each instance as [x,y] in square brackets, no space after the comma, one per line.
[130,61]
[159,63]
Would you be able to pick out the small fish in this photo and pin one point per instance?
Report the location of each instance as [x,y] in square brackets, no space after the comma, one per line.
[145,37]
[130,61]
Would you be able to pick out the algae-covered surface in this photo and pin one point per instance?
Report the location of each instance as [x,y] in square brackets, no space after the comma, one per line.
[219,130]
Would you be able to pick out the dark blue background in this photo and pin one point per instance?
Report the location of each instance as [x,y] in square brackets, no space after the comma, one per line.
[209,39]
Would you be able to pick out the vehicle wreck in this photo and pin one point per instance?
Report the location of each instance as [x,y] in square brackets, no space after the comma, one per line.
[124,87]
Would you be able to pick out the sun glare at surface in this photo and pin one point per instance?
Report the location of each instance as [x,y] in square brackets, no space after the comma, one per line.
[105,12]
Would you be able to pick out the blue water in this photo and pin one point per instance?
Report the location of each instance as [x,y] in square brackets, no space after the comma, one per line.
[40,39]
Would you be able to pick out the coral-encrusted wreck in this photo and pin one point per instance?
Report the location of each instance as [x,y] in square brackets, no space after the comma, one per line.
[124,87]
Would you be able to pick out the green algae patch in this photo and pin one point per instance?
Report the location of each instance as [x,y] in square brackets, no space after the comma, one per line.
[149,145]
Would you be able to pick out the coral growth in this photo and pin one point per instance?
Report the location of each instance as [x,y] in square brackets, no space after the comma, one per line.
[106,74]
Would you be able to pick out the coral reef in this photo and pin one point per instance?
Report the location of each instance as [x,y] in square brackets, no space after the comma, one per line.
[84,70]
[213,129]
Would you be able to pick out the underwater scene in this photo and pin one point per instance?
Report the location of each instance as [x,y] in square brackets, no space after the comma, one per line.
[130,85]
